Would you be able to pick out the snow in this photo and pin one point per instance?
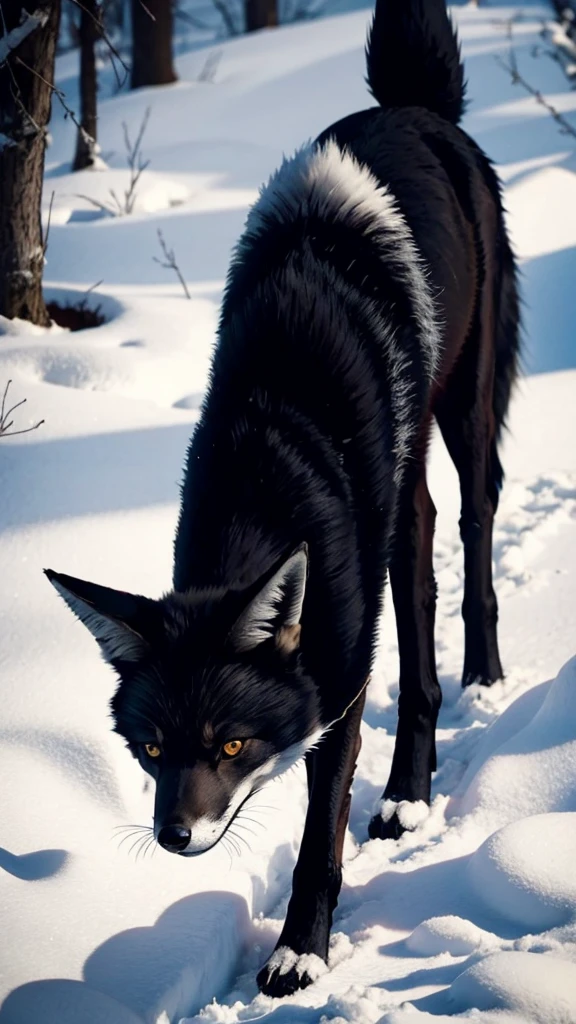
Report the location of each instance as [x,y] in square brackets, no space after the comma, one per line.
[538,989]
[471,915]
[410,814]
[449,934]
[534,770]
[525,871]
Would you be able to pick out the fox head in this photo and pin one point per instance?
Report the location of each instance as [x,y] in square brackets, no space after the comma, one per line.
[213,700]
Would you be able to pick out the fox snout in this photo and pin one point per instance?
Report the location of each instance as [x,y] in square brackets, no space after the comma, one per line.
[190,837]
[192,809]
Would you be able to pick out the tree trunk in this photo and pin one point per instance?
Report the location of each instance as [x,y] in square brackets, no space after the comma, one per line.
[152,43]
[86,148]
[260,14]
[27,49]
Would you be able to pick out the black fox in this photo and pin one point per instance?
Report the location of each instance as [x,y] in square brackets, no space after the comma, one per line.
[374,288]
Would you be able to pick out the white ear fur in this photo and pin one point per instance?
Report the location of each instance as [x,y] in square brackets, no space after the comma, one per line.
[277,606]
[117,640]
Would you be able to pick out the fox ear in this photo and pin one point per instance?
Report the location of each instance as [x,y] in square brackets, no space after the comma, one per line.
[115,619]
[277,608]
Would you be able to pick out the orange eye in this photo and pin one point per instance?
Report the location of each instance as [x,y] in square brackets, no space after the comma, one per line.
[232,748]
[152,750]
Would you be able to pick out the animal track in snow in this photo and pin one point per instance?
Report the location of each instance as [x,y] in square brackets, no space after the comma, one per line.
[527,515]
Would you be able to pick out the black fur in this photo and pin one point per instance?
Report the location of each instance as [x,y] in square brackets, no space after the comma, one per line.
[311,450]
[413,58]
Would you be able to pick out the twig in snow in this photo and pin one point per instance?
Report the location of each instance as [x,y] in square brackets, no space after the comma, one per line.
[517,79]
[511,66]
[170,263]
[136,163]
[137,166]
[93,287]
[6,422]
[105,207]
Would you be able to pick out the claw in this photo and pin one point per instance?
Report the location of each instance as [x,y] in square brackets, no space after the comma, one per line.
[272,983]
[286,972]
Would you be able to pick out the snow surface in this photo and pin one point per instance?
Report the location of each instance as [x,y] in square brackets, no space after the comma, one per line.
[470,915]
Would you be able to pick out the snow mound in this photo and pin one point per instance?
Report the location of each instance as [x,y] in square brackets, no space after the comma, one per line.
[525,871]
[540,989]
[356,1006]
[408,1014]
[449,934]
[106,196]
[534,771]
[64,1002]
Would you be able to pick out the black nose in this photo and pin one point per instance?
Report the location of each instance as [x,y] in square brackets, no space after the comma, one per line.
[174,838]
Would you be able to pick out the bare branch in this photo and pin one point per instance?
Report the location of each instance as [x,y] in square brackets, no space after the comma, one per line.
[136,163]
[47,235]
[170,262]
[119,209]
[34,128]
[147,10]
[60,96]
[93,287]
[511,66]
[99,206]
[6,422]
[112,49]
[137,166]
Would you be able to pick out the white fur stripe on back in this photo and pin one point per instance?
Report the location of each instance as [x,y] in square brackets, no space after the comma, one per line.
[330,183]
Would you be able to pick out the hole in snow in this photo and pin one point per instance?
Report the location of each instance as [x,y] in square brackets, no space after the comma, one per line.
[77,317]
[77,310]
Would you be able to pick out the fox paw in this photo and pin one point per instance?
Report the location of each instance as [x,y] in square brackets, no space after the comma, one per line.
[396,817]
[287,971]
